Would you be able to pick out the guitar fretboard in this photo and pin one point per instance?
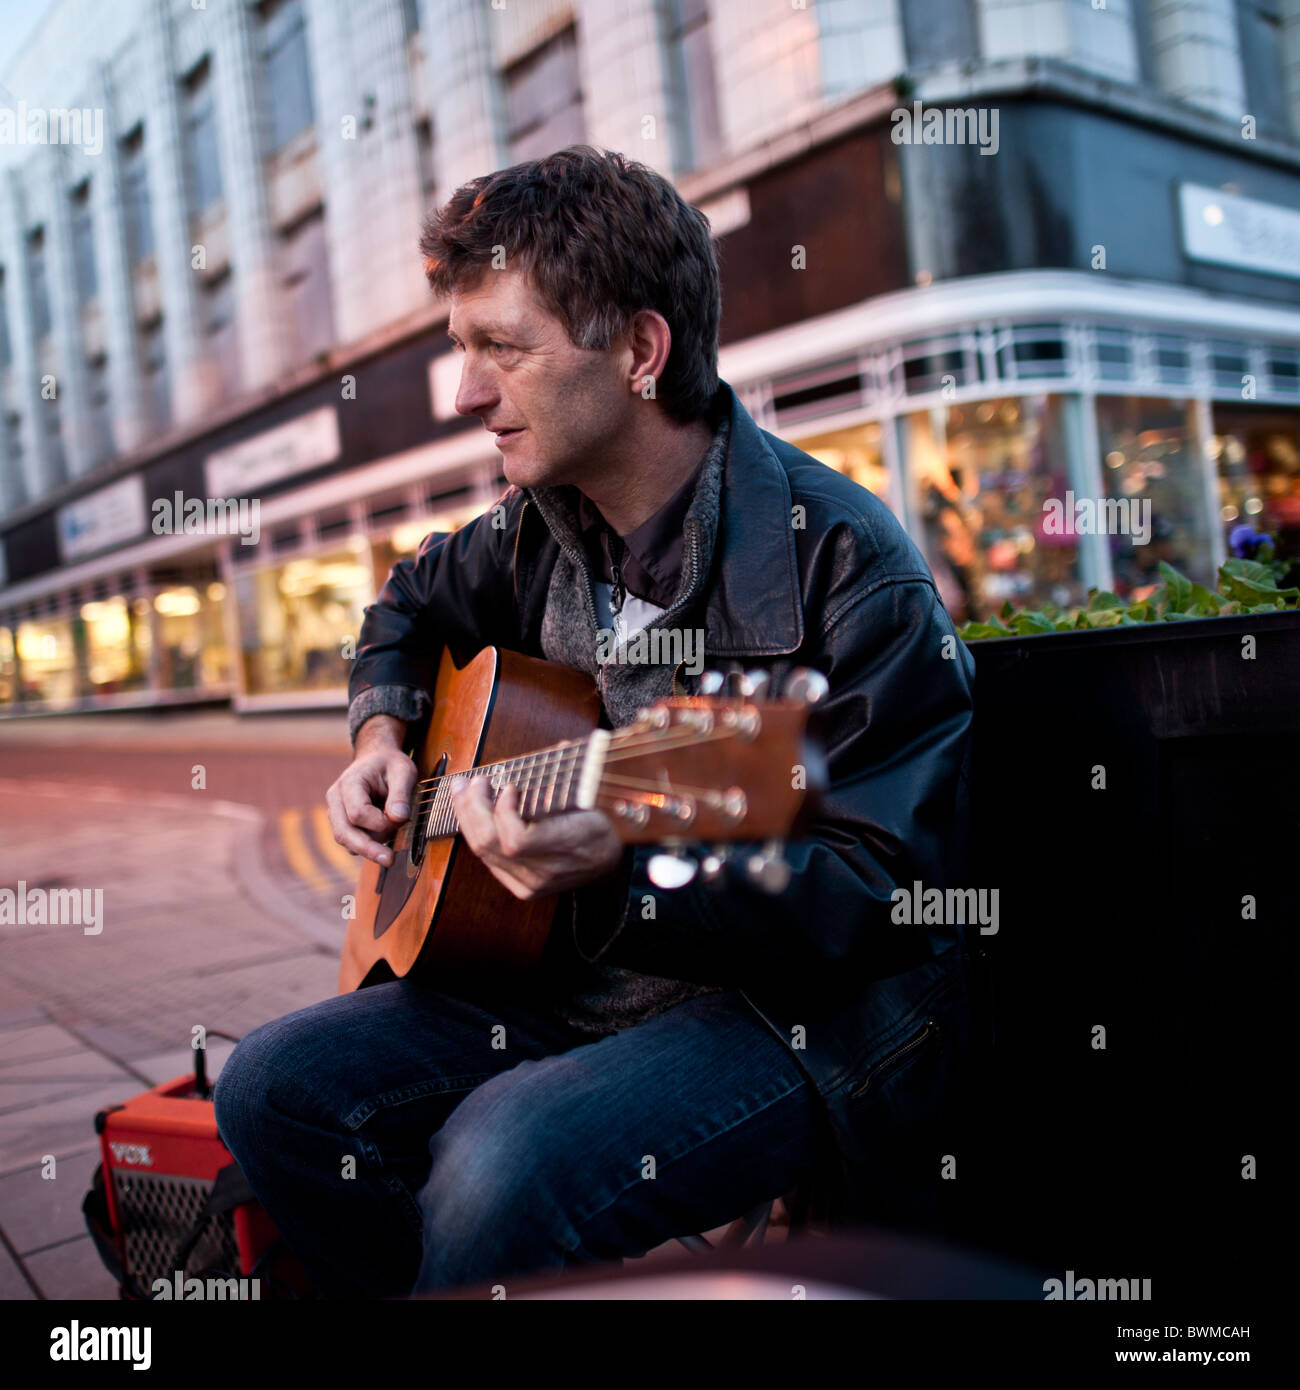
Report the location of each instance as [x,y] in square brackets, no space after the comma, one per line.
[547,781]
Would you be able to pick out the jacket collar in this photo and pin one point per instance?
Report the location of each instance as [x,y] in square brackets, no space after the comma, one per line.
[738,529]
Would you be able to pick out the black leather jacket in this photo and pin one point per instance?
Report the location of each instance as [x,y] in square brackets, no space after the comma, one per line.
[809,569]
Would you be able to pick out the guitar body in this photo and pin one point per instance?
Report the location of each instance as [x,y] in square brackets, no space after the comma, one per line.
[447,909]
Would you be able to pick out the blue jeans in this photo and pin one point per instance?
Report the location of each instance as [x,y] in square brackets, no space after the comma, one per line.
[404,1140]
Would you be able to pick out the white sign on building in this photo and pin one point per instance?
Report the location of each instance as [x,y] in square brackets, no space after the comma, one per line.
[101,519]
[307,442]
[1241,232]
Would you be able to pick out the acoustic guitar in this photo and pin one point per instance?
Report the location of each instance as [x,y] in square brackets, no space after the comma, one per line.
[718,768]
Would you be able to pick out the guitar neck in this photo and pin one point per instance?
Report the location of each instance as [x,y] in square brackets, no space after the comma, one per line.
[687,768]
[549,781]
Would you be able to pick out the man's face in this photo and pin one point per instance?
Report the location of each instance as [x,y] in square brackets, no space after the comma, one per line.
[562,404]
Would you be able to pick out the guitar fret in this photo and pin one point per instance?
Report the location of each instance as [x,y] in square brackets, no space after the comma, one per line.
[568,780]
[535,776]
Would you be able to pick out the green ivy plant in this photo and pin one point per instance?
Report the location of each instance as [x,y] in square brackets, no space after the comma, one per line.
[1245,586]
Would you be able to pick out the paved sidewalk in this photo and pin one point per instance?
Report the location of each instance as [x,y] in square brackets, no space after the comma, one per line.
[196,930]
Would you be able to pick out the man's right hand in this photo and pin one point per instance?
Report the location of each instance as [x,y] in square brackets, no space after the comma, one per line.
[380,775]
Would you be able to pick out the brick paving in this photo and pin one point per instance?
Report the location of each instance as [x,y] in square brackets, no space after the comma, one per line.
[202,924]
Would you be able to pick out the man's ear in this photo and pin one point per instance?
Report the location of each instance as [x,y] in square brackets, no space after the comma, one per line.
[650,341]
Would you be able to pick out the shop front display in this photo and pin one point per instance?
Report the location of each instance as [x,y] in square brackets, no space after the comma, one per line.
[297,618]
[47,663]
[192,654]
[118,642]
[1150,459]
[1257,453]
[982,473]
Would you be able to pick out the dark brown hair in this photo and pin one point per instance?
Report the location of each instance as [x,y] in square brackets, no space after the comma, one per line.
[601,237]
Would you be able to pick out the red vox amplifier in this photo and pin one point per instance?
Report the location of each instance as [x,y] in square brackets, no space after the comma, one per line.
[170,1204]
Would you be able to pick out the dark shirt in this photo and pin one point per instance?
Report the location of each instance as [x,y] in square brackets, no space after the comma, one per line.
[646,562]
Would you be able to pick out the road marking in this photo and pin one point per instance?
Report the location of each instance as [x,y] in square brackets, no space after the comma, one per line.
[299,855]
[333,852]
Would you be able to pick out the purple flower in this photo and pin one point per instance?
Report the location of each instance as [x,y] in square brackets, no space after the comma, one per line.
[1245,541]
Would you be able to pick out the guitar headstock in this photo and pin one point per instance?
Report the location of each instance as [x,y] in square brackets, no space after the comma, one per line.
[728,765]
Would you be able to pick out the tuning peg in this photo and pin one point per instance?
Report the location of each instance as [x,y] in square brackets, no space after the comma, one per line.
[712,866]
[673,869]
[767,869]
[711,682]
[807,685]
[756,684]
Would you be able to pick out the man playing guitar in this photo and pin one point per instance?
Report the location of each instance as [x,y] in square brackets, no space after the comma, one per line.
[679,1053]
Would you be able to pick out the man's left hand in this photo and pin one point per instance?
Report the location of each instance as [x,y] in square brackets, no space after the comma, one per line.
[534,858]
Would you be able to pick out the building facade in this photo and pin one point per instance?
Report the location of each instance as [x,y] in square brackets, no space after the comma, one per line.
[978,254]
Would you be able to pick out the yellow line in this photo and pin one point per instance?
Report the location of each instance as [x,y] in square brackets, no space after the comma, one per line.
[294,844]
[333,852]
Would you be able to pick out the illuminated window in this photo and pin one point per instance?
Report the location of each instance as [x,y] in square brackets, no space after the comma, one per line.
[982,473]
[191,635]
[118,645]
[47,662]
[1149,456]
[298,618]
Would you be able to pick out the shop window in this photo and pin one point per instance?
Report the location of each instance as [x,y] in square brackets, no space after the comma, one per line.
[193,654]
[983,473]
[47,662]
[8,667]
[1229,362]
[118,642]
[1031,350]
[1283,369]
[855,452]
[1149,456]
[932,371]
[1257,453]
[812,394]
[544,100]
[1172,358]
[297,616]
[1112,355]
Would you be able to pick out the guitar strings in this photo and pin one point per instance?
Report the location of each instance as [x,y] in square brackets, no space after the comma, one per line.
[544,761]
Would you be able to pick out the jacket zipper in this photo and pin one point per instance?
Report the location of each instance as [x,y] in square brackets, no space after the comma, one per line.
[931,1026]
